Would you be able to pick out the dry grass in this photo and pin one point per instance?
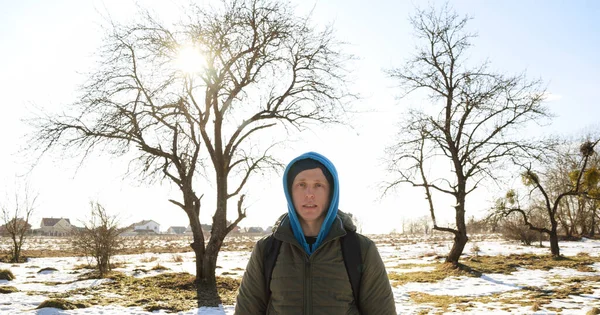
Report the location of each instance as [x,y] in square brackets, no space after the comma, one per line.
[149,259]
[47,269]
[5,289]
[533,297]
[410,266]
[441,272]
[159,267]
[173,292]
[61,304]
[6,274]
[593,311]
[510,263]
[177,258]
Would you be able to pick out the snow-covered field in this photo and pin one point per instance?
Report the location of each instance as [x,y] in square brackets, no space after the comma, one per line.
[486,294]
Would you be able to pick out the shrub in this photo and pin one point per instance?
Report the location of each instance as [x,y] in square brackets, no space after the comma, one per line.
[159,267]
[5,289]
[47,269]
[593,311]
[6,274]
[61,304]
[475,249]
[99,238]
[512,228]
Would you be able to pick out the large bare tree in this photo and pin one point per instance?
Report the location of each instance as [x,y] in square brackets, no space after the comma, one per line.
[16,215]
[583,183]
[261,68]
[469,128]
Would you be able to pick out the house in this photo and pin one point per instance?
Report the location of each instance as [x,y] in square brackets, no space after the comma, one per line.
[56,227]
[176,230]
[146,226]
[255,229]
[206,228]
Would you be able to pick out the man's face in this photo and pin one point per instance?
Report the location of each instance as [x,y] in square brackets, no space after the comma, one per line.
[310,195]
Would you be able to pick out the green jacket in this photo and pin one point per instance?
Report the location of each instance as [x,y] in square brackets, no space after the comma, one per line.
[316,284]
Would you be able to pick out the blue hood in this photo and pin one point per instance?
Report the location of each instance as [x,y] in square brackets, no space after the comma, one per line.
[333,204]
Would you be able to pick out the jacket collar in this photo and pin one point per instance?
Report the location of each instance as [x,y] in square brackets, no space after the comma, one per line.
[282,229]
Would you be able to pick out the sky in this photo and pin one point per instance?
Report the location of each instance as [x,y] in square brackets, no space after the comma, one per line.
[48,47]
[405,255]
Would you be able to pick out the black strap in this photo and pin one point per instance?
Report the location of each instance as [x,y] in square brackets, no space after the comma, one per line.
[353,262]
[270,256]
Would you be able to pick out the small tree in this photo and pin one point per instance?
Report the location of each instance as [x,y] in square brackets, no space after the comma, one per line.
[99,238]
[16,221]
[577,187]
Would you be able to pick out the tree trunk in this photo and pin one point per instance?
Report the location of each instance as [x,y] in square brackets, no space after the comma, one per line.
[593,223]
[16,250]
[460,238]
[554,249]
[207,283]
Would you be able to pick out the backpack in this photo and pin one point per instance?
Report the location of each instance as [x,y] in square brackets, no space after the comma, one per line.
[350,251]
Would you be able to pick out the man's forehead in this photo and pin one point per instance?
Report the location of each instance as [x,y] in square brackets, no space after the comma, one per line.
[312,174]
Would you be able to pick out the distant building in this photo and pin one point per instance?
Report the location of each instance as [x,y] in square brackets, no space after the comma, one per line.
[146,226]
[206,228]
[56,227]
[176,230]
[255,229]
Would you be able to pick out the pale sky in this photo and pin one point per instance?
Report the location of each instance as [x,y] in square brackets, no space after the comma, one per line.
[47,47]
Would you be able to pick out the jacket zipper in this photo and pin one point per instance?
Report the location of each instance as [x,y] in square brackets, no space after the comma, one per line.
[308,283]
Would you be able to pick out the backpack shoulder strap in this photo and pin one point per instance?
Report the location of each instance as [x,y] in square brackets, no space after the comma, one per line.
[270,257]
[353,262]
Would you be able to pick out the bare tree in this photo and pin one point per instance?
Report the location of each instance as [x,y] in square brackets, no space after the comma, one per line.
[578,187]
[471,127]
[99,238]
[15,216]
[264,69]
[575,214]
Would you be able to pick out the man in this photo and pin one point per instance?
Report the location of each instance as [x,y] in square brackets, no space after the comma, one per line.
[309,275]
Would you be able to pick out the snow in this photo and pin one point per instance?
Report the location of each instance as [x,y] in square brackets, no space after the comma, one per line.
[394,253]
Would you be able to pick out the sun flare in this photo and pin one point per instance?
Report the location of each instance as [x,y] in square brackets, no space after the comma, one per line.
[190,60]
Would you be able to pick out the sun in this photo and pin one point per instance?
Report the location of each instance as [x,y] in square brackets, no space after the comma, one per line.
[190,60]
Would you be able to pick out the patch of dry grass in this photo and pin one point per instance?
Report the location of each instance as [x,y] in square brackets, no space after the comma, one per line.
[593,311]
[534,297]
[441,272]
[173,292]
[5,289]
[149,259]
[6,274]
[62,304]
[177,258]
[508,264]
[410,266]
[159,267]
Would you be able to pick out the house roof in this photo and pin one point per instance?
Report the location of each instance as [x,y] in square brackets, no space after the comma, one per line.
[52,221]
[144,222]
